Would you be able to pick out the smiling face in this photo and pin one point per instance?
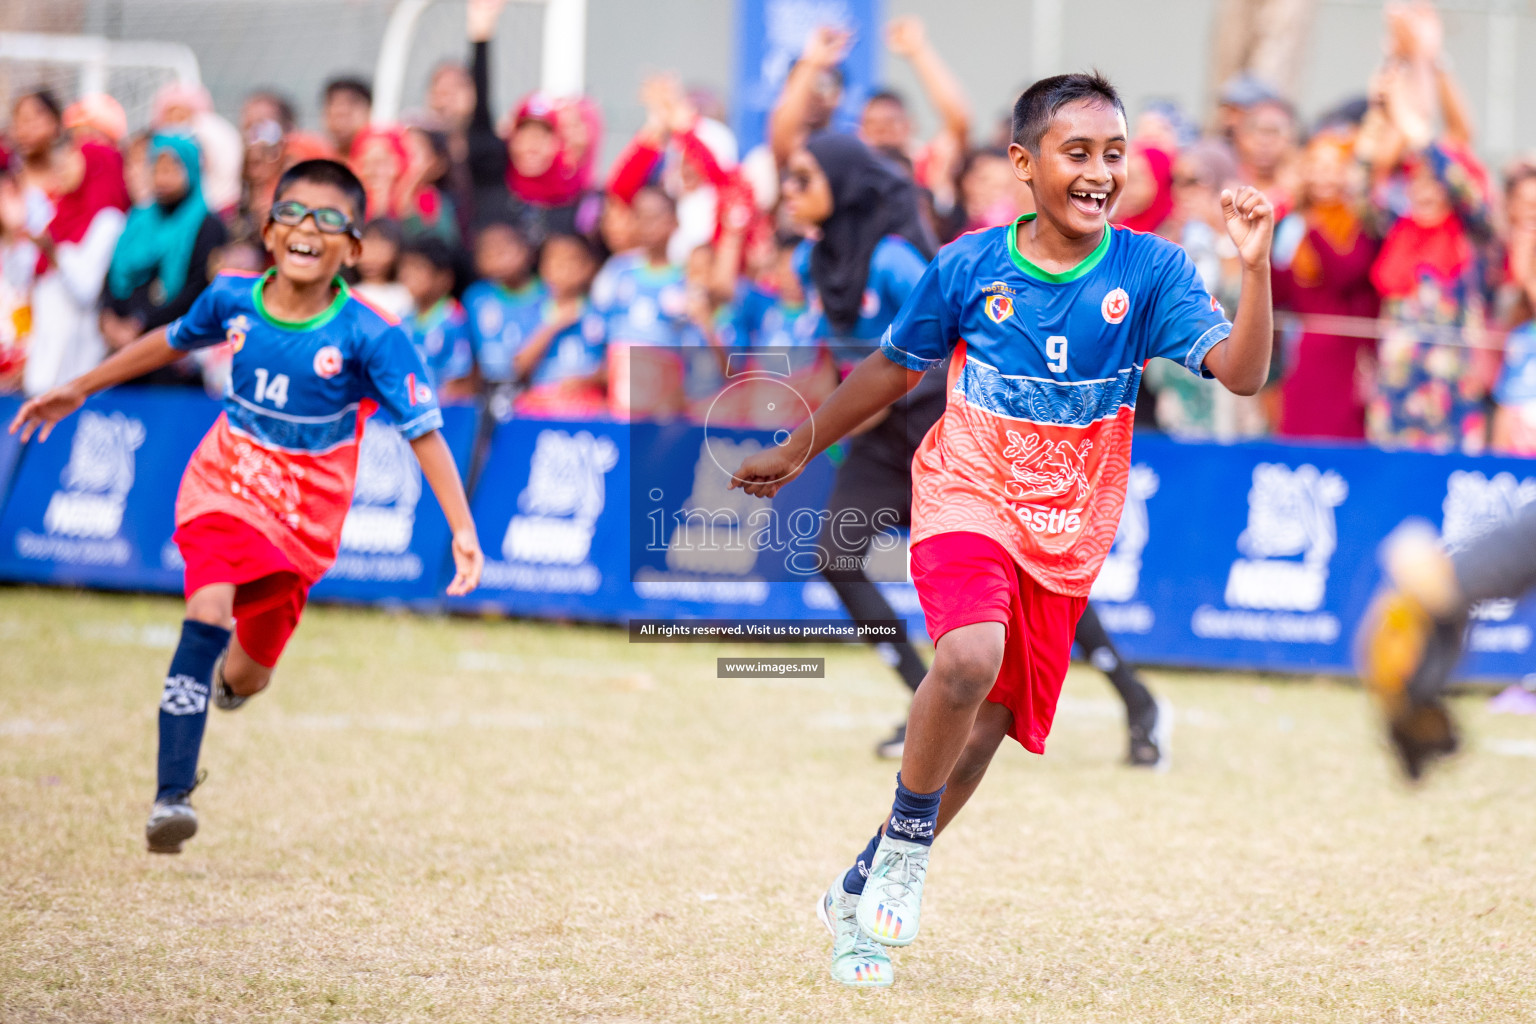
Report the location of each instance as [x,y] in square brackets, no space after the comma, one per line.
[1080,170]
[304,254]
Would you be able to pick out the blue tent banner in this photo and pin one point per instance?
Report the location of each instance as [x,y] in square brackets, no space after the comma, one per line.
[94,505]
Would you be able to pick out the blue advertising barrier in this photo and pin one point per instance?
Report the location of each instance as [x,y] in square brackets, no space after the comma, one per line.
[395,539]
[770,35]
[1251,556]
[10,446]
[94,505]
[1263,555]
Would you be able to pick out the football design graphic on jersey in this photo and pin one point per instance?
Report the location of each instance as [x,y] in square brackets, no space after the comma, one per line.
[999,308]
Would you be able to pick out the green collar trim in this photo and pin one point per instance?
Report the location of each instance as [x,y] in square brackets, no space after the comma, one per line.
[1030,270]
[325,316]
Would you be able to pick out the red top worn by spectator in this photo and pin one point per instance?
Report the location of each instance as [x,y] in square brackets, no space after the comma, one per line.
[100,187]
[1329,276]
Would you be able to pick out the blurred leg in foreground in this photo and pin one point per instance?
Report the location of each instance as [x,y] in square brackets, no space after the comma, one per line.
[1412,636]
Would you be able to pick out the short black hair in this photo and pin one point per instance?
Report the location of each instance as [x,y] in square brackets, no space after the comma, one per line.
[582,242]
[1039,103]
[386,228]
[348,83]
[887,96]
[327,172]
[502,219]
[46,97]
[434,250]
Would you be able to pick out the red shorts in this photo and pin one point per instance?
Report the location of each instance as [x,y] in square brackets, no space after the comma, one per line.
[965,578]
[269,592]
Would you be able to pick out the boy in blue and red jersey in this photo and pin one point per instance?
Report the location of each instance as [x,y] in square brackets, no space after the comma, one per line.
[259,513]
[1017,490]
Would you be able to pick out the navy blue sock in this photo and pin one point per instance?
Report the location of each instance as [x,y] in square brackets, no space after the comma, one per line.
[914,815]
[853,881]
[184,705]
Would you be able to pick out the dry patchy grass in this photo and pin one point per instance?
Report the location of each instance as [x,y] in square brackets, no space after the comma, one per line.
[448,820]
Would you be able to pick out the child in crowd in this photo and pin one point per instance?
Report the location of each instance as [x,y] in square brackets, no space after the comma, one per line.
[506,305]
[439,329]
[378,269]
[262,501]
[564,359]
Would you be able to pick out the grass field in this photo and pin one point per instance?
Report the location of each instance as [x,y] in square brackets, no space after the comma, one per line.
[460,821]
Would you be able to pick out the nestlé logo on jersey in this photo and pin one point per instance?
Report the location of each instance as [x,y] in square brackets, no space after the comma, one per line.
[1116,305]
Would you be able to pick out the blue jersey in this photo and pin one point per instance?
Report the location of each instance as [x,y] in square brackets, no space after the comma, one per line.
[894,270]
[644,304]
[283,456]
[1034,445]
[441,337]
[501,320]
[577,350]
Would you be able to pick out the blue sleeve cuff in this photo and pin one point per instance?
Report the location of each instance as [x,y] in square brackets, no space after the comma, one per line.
[173,335]
[427,422]
[1195,361]
[896,355]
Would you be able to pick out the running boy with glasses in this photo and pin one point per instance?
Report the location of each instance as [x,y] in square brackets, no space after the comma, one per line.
[1017,490]
[259,513]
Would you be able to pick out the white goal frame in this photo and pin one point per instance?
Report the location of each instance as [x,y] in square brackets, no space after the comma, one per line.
[96,56]
[562,64]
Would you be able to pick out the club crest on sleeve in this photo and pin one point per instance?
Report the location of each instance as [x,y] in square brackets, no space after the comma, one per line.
[328,362]
[234,331]
[416,391]
[1216,306]
[999,308]
[870,305]
[1115,306]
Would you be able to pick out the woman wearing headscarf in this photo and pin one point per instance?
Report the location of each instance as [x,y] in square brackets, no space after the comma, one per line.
[540,169]
[162,260]
[76,249]
[179,107]
[396,190]
[871,245]
[1148,198]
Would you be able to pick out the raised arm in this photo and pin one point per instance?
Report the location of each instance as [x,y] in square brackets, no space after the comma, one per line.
[907,38]
[1241,362]
[487,152]
[872,386]
[442,475]
[787,123]
[149,353]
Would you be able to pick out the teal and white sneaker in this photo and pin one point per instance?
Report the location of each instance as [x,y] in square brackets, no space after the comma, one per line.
[856,961]
[892,905]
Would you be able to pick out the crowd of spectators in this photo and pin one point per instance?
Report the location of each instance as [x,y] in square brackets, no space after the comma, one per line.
[1405,278]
